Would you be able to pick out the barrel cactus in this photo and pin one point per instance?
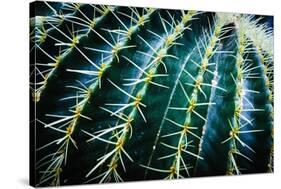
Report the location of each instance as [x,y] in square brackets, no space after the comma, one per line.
[126,94]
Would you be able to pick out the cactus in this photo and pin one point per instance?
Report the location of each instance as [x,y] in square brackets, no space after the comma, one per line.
[125,94]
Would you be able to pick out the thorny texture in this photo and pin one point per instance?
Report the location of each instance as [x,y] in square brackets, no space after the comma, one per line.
[124,93]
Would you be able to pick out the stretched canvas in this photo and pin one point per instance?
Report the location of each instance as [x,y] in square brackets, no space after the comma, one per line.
[133,94]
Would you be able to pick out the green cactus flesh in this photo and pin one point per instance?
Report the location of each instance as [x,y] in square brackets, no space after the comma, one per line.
[125,94]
